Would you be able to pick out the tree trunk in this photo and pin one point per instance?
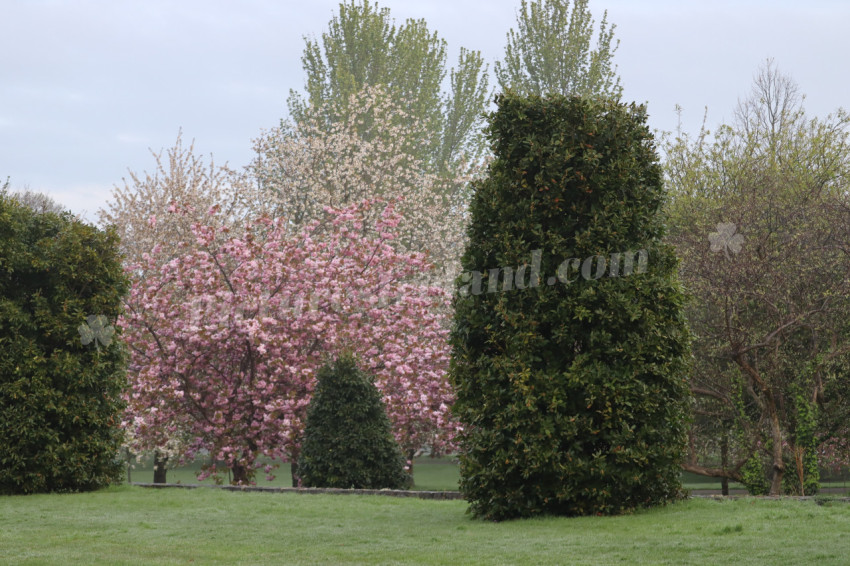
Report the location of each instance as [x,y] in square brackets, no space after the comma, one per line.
[776,437]
[724,462]
[240,475]
[410,455]
[159,467]
[293,466]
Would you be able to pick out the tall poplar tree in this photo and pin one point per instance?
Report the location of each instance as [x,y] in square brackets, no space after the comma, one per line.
[364,47]
[551,52]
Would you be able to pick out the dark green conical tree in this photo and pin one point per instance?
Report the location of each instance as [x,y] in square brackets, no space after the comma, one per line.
[570,362]
[348,440]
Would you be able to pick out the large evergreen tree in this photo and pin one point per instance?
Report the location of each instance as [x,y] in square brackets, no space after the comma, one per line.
[61,372]
[570,370]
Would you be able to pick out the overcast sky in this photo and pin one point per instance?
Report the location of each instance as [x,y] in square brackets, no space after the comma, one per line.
[87,86]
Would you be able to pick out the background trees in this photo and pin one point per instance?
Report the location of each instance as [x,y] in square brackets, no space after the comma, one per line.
[761,224]
[139,210]
[366,136]
[363,47]
[61,373]
[550,52]
[572,394]
[369,152]
[35,201]
[374,121]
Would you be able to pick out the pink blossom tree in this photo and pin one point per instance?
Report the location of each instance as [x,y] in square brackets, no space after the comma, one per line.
[225,340]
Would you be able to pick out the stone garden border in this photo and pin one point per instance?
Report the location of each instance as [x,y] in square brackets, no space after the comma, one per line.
[446,495]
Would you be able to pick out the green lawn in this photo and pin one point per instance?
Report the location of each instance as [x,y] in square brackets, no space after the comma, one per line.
[133,525]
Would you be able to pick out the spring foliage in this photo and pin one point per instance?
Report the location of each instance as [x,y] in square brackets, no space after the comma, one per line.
[348,441]
[61,370]
[550,52]
[370,151]
[363,48]
[772,290]
[571,395]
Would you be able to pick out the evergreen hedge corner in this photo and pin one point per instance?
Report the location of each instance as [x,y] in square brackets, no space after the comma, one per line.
[348,440]
[572,393]
[60,398]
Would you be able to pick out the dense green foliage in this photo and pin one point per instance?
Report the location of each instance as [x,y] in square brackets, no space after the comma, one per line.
[572,394]
[61,373]
[348,439]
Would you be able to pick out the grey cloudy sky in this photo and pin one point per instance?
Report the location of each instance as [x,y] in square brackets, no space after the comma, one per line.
[87,86]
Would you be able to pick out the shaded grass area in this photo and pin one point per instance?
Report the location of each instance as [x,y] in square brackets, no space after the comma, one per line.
[131,525]
[696,482]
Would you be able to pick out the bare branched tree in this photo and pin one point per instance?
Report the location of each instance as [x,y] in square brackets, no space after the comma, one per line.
[761,219]
[160,207]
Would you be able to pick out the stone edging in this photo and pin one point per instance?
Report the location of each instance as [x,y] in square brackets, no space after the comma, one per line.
[315,490]
[449,495]
[819,499]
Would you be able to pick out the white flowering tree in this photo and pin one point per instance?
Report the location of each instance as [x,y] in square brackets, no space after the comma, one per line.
[370,153]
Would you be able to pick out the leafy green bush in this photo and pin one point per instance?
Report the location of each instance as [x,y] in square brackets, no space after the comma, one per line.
[348,441]
[569,363]
[61,283]
[754,477]
[806,443]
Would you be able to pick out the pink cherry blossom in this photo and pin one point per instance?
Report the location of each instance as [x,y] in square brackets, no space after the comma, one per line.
[226,339]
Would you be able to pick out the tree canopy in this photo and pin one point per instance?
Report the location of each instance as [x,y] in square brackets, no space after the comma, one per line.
[364,47]
[551,52]
[569,358]
[760,218]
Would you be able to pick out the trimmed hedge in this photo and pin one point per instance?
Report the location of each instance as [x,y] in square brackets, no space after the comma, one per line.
[61,283]
[348,440]
[569,364]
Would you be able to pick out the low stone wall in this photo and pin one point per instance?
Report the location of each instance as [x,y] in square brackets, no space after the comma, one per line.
[328,490]
[819,499]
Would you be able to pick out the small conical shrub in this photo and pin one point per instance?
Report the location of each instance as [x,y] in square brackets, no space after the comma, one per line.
[348,441]
[570,347]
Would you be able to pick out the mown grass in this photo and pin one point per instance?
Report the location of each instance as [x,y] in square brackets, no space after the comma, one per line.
[132,525]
